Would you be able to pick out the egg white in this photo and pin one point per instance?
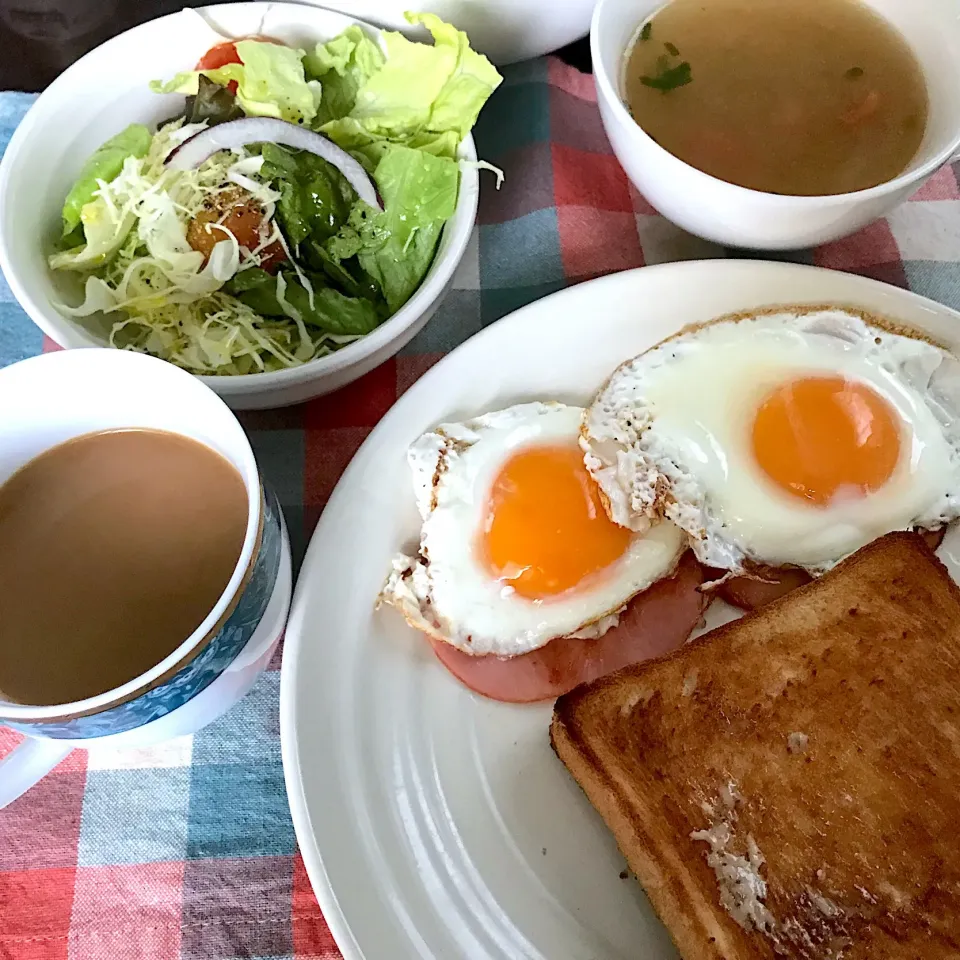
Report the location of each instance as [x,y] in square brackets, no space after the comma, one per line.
[447,591]
[670,434]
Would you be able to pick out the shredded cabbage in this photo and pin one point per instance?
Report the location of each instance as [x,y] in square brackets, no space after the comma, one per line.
[220,335]
[138,263]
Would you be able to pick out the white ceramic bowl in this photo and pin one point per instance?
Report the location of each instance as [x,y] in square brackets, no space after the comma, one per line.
[107,89]
[738,217]
[505,30]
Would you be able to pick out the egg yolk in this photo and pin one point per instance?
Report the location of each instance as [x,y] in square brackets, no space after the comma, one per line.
[822,437]
[545,528]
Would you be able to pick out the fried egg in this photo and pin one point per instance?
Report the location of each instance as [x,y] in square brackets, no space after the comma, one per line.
[515,546]
[787,438]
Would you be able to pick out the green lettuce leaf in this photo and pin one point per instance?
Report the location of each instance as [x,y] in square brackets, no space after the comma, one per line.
[102,237]
[396,247]
[330,311]
[315,198]
[270,82]
[103,164]
[345,274]
[212,104]
[369,148]
[436,88]
[342,66]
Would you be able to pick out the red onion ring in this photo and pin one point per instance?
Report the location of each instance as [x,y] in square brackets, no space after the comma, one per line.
[240,133]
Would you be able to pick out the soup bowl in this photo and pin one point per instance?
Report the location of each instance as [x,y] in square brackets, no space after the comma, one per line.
[56,397]
[739,217]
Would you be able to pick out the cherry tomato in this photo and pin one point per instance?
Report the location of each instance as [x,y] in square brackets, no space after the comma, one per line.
[224,53]
[240,215]
[220,56]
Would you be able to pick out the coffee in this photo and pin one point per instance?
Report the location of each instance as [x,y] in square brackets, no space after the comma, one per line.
[114,547]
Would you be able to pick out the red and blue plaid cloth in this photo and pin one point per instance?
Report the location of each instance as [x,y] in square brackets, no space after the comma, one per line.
[187,849]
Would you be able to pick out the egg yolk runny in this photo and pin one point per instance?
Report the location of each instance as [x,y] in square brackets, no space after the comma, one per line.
[822,437]
[545,528]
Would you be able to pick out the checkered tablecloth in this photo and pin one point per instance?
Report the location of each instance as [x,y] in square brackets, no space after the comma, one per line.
[187,850]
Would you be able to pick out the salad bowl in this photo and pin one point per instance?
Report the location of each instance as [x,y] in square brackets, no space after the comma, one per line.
[109,89]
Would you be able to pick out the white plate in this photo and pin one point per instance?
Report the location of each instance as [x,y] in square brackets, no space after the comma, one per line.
[435,823]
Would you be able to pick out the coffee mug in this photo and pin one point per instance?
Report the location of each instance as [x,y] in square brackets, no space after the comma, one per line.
[738,217]
[51,399]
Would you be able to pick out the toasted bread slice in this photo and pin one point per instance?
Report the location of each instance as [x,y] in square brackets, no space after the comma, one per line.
[789,784]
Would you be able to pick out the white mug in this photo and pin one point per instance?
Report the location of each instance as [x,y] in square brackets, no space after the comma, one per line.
[53,398]
[738,217]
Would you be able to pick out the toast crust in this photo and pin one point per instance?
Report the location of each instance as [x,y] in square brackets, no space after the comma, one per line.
[811,751]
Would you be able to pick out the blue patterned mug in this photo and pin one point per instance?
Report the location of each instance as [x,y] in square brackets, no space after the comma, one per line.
[53,398]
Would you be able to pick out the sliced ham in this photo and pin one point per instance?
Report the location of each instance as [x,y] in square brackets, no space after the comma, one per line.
[658,620]
[748,594]
[933,538]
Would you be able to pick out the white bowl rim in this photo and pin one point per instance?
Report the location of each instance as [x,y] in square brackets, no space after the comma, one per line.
[54,324]
[609,88]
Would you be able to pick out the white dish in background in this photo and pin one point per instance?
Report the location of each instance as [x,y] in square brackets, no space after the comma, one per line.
[505,30]
[738,217]
[434,823]
[85,106]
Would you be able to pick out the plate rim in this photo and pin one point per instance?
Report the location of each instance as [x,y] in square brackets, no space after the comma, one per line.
[294,637]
